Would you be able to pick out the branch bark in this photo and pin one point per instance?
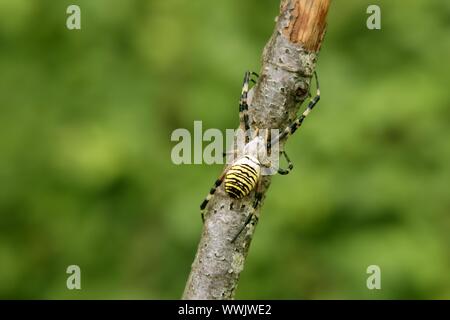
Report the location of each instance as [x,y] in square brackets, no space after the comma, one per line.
[288,63]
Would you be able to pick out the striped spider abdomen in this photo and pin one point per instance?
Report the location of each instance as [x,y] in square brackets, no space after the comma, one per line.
[242,177]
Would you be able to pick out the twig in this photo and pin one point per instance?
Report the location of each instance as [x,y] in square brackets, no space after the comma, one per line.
[288,63]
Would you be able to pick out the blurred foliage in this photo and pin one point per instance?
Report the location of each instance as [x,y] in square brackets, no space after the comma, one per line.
[87,179]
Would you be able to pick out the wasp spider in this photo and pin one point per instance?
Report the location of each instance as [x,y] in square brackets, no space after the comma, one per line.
[244,175]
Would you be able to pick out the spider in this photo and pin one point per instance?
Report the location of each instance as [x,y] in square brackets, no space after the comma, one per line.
[244,175]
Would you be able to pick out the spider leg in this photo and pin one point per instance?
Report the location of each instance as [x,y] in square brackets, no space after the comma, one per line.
[243,104]
[211,193]
[243,107]
[256,75]
[258,197]
[289,130]
[267,139]
[290,165]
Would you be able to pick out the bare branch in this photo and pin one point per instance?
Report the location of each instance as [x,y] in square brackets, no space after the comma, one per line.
[288,63]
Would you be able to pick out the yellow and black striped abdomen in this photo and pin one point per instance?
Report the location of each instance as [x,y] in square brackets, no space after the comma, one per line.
[241,178]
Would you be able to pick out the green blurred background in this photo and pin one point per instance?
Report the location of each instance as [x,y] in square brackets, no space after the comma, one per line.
[87,178]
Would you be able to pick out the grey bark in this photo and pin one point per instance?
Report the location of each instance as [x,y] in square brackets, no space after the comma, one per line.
[287,69]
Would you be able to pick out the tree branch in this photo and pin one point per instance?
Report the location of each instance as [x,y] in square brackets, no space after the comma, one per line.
[288,63]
